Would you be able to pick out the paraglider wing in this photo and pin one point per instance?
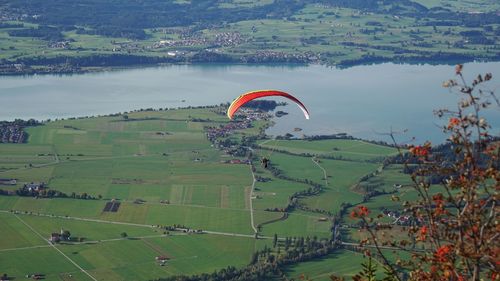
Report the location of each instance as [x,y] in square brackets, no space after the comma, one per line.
[241,100]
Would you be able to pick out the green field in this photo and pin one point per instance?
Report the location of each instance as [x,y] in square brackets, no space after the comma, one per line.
[107,256]
[341,176]
[329,34]
[164,160]
[341,263]
[464,5]
[347,149]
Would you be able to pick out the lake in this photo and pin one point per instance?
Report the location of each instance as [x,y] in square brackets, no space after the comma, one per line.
[364,101]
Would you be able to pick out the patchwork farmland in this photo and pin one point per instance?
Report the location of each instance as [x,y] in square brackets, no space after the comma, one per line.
[149,196]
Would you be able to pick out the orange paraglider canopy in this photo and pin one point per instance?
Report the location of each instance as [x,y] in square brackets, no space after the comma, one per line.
[241,100]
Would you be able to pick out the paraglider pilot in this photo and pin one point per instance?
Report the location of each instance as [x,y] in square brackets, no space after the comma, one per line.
[265,162]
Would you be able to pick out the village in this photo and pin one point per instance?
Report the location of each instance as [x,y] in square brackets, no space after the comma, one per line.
[12,133]
[218,136]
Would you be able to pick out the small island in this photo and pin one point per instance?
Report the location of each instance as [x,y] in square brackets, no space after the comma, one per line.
[280,113]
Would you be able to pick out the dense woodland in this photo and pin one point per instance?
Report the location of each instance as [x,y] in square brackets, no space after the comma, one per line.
[131,17]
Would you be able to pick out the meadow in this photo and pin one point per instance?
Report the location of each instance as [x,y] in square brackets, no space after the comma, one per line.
[106,255]
[356,150]
[341,263]
[335,35]
[162,169]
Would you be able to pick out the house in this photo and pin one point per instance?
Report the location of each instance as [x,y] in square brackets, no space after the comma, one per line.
[55,237]
[8,181]
[34,186]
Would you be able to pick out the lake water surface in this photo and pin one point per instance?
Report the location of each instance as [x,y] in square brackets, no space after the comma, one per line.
[362,100]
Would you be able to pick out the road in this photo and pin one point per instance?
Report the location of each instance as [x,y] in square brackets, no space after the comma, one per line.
[251,199]
[136,224]
[151,236]
[55,248]
[323,169]
[381,247]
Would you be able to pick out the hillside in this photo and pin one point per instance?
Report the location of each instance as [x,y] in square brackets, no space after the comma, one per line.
[68,36]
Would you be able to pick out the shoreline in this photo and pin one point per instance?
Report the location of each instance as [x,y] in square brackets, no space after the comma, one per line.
[271,122]
[63,70]
[123,90]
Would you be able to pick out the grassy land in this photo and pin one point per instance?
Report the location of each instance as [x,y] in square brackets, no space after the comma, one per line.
[341,176]
[108,256]
[328,34]
[341,263]
[339,148]
[465,6]
[160,157]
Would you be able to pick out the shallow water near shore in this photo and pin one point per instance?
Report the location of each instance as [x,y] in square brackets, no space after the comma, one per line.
[364,101]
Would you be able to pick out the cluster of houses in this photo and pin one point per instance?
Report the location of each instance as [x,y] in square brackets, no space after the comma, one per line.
[34,186]
[271,56]
[57,237]
[12,133]
[223,39]
[128,46]
[33,189]
[196,41]
[36,276]
[227,39]
[237,161]
[399,219]
[12,68]
[162,260]
[213,133]
[218,135]
[59,44]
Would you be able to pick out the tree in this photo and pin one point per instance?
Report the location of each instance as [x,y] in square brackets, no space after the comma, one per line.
[369,271]
[124,235]
[65,235]
[275,240]
[255,258]
[455,221]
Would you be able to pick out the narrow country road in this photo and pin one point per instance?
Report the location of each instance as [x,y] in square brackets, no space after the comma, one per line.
[325,176]
[55,248]
[135,224]
[251,199]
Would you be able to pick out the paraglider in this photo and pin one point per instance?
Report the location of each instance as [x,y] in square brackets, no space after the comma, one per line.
[243,99]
